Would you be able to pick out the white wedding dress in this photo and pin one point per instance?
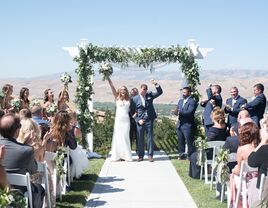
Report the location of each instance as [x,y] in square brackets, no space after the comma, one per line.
[121,142]
[79,161]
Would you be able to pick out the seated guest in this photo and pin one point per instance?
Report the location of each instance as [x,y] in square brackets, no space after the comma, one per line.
[249,138]
[60,133]
[215,133]
[25,113]
[37,116]
[19,158]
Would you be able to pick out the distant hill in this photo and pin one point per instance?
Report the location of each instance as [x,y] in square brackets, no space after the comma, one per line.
[170,81]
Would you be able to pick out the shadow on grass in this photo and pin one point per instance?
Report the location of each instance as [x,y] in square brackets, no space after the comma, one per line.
[80,190]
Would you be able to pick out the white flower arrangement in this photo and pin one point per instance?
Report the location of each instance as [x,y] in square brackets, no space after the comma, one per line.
[35,102]
[10,198]
[15,103]
[106,70]
[66,79]
[52,109]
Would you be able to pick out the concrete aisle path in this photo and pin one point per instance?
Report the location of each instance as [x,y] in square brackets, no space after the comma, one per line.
[140,185]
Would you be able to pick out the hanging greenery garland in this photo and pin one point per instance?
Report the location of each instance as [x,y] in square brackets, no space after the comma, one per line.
[91,54]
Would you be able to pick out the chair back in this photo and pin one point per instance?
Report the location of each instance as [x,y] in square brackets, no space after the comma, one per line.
[22,180]
[42,167]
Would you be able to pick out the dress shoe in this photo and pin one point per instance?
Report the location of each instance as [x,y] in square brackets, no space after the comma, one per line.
[151,159]
[140,159]
[182,156]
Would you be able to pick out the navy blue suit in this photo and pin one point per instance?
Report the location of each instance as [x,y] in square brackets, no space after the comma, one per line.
[186,125]
[256,108]
[208,108]
[236,108]
[148,114]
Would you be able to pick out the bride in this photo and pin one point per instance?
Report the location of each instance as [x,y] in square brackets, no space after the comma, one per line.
[121,143]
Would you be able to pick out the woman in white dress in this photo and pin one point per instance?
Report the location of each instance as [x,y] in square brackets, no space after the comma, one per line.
[121,143]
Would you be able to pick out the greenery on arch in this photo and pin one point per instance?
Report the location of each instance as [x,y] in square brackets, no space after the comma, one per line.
[92,54]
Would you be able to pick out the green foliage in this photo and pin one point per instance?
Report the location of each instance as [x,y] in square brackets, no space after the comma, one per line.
[91,54]
[165,136]
[221,165]
[201,145]
[103,133]
[11,198]
[59,159]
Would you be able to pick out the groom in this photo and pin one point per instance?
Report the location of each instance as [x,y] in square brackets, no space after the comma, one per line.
[145,115]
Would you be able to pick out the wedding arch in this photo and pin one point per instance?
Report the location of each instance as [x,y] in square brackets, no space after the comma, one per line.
[89,55]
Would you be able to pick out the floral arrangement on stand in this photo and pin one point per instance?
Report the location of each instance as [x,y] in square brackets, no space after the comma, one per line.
[201,146]
[9,198]
[221,167]
[90,54]
[106,70]
[59,159]
[16,103]
[66,79]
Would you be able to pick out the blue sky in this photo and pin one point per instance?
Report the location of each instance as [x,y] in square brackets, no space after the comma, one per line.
[34,32]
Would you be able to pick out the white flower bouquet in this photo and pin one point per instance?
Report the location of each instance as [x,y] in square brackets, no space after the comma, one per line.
[10,198]
[106,70]
[66,79]
[35,102]
[15,103]
[52,109]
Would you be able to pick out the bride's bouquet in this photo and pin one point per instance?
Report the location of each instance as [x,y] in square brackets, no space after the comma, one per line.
[66,79]
[106,70]
[15,103]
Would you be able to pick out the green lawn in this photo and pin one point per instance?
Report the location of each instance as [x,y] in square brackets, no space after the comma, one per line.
[200,191]
[81,188]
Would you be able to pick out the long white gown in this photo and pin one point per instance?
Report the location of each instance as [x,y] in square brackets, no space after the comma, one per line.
[121,142]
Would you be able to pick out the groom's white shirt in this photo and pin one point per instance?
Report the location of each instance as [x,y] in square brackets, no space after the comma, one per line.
[142,100]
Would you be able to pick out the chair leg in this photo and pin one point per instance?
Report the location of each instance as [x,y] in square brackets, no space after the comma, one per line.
[206,173]
[222,192]
[201,172]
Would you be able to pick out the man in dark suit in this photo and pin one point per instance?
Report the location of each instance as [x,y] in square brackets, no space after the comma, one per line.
[145,115]
[257,106]
[186,124]
[213,99]
[133,128]
[19,158]
[233,106]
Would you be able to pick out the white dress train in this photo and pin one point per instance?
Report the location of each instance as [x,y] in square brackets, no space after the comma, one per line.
[80,161]
[121,142]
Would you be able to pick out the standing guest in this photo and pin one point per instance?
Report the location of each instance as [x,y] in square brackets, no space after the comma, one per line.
[48,98]
[257,106]
[24,98]
[233,106]
[19,158]
[186,125]
[121,143]
[213,100]
[133,127]
[63,99]
[145,116]
[6,103]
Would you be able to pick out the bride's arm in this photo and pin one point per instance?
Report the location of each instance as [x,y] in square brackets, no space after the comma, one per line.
[112,87]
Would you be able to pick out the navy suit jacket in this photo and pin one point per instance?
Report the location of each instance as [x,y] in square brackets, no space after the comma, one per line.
[186,112]
[208,106]
[236,108]
[257,107]
[146,112]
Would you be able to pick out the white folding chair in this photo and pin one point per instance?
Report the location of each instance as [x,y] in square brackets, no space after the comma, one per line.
[70,177]
[242,184]
[215,145]
[22,180]
[42,167]
[49,158]
[262,182]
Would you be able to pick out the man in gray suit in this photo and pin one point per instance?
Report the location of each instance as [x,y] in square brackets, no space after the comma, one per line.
[144,116]
[19,158]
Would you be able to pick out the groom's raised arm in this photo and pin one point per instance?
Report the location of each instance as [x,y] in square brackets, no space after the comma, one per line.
[158,88]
